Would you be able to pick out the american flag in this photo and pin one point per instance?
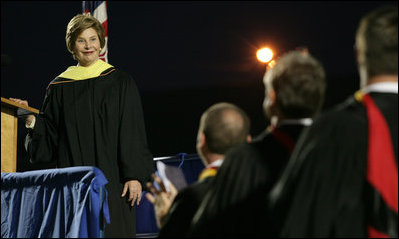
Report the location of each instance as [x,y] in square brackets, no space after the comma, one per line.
[98,9]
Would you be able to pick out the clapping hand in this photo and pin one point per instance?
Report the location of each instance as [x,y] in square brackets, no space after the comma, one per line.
[161,199]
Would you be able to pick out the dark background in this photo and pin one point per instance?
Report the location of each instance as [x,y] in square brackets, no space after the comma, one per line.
[184,56]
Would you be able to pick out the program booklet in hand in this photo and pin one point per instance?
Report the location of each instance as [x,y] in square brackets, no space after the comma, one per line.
[171,174]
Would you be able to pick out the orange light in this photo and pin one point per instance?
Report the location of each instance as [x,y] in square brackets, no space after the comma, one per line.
[264,55]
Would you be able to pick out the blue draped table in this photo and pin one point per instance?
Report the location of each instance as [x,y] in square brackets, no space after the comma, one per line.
[57,203]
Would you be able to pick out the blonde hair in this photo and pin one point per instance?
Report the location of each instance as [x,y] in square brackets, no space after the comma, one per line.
[77,25]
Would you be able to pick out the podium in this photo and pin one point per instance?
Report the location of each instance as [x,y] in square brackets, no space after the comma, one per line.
[10,111]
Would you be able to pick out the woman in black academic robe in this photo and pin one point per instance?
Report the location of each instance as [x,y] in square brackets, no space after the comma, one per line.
[92,116]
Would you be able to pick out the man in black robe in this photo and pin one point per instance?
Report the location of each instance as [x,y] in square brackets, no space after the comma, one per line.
[234,205]
[92,116]
[342,179]
[222,126]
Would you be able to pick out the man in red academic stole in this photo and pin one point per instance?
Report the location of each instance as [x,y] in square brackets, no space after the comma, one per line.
[342,180]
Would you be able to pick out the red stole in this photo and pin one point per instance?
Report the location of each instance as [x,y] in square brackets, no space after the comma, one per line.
[283,138]
[382,171]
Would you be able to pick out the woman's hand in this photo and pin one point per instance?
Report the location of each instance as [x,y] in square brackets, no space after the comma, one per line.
[135,190]
[28,118]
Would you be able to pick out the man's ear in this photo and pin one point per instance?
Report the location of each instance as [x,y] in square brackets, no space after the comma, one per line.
[356,53]
[201,141]
[271,94]
[249,138]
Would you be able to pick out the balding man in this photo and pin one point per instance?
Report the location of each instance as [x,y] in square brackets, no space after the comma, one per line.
[222,126]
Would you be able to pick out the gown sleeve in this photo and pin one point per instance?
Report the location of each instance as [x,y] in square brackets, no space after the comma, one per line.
[224,209]
[135,159]
[41,141]
[321,190]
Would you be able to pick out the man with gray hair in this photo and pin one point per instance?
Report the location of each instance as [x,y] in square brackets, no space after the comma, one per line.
[235,204]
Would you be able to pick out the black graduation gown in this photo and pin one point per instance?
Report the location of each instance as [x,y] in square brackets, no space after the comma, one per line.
[96,122]
[323,191]
[183,209]
[234,206]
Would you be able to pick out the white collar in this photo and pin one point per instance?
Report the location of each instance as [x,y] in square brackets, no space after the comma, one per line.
[303,121]
[216,163]
[383,87]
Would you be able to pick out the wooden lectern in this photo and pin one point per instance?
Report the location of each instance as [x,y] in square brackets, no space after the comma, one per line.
[9,128]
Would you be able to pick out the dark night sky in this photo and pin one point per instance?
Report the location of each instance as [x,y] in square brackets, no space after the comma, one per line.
[184,56]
